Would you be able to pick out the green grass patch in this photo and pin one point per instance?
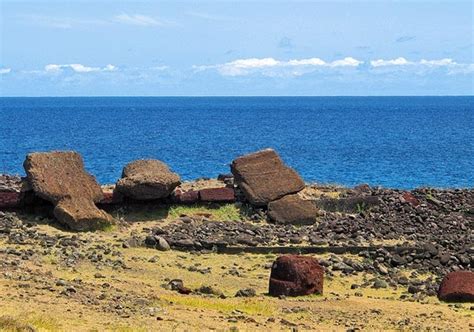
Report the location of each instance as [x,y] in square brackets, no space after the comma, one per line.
[221,212]
[29,323]
[255,306]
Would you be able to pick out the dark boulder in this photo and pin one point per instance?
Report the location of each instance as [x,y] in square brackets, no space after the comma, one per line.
[294,275]
[147,180]
[263,177]
[457,286]
[292,209]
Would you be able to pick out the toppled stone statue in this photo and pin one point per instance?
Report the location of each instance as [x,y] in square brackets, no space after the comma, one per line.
[263,177]
[292,209]
[60,178]
[147,180]
[266,181]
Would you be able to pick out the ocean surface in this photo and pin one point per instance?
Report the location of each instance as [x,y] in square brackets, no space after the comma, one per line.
[402,142]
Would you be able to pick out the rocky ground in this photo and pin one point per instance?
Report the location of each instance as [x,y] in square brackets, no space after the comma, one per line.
[124,278]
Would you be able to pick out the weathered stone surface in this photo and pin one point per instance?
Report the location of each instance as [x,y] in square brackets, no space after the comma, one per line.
[457,287]
[55,175]
[81,214]
[147,180]
[223,194]
[9,199]
[185,197]
[293,210]
[263,177]
[294,275]
[60,177]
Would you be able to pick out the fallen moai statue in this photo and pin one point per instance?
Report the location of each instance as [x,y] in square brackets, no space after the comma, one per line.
[266,181]
[60,178]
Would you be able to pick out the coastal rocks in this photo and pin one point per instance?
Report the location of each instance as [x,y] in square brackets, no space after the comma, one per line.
[292,209]
[294,275]
[350,204]
[147,180]
[263,177]
[409,198]
[457,286]
[60,177]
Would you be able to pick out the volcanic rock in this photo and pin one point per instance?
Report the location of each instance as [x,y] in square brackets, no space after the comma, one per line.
[294,275]
[263,177]
[185,197]
[293,210]
[217,195]
[60,177]
[350,204]
[147,180]
[457,286]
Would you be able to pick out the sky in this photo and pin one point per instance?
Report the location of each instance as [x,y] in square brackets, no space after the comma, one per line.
[222,48]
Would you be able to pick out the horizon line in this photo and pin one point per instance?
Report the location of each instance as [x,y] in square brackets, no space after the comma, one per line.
[236,96]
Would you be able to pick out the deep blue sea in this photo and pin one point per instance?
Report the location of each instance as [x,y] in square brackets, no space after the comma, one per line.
[403,142]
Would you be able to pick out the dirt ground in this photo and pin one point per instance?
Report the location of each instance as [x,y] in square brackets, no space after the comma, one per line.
[124,291]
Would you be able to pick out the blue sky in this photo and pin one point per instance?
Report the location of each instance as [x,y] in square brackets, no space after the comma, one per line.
[68,48]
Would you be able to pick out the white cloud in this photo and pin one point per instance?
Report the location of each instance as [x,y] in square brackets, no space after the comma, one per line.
[404,62]
[4,71]
[137,19]
[346,62]
[441,62]
[78,68]
[307,62]
[273,67]
[394,62]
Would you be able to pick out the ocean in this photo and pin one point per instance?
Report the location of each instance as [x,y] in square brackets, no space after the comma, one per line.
[401,142]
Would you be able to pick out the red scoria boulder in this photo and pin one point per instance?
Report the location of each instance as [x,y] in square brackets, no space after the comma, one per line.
[294,275]
[457,287]
[408,197]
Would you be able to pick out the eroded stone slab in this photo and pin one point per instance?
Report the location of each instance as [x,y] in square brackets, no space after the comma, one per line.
[292,209]
[263,177]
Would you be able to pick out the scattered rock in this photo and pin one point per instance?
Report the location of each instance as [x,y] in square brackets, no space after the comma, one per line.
[162,244]
[247,292]
[379,283]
